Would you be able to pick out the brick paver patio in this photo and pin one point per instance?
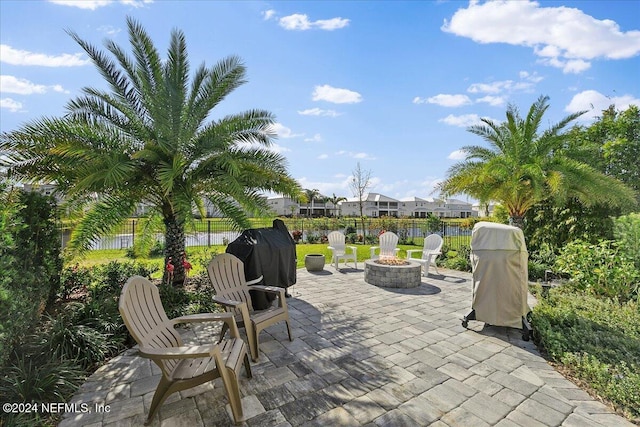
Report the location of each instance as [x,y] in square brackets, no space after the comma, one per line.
[363,356]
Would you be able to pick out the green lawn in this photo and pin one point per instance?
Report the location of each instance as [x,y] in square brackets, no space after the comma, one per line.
[198,255]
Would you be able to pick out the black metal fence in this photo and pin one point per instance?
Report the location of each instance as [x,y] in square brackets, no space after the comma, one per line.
[216,231]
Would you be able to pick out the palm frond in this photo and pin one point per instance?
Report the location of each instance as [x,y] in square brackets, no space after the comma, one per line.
[100,219]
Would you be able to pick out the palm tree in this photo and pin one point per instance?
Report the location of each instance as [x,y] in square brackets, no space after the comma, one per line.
[522,166]
[152,137]
[335,200]
[310,196]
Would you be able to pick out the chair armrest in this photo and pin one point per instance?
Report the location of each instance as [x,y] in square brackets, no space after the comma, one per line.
[331,248]
[183,352]
[202,317]
[251,282]
[410,252]
[353,248]
[227,302]
[208,317]
[269,289]
[373,250]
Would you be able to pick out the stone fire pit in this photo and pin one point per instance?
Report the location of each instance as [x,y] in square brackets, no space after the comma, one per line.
[392,273]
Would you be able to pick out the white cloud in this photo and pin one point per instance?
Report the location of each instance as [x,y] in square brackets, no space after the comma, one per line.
[562,37]
[11,105]
[494,101]
[95,4]
[446,100]
[11,84]
[335,95]
[315,138]
[359,155]
[464,120]
[301,22]
[109,30]
[535,78]
[268,14]
[323,156]
[331,24]
[501,86]
[319,112]
[284,132]
[13,56]
[595,102]
[457,155]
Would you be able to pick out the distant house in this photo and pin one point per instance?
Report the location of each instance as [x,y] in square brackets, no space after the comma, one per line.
[377,205]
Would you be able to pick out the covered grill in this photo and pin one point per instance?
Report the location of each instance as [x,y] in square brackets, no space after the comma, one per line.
[267,252]
[500,277]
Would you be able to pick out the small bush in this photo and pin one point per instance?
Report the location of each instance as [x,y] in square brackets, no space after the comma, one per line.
[460,261]
[599,269]
[597,339]
[37,378]
[312,238]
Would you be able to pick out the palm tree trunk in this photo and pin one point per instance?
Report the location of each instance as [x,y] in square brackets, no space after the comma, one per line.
[174,248]
[517,221]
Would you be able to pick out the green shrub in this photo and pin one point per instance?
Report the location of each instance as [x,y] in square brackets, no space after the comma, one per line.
[598,339]
[29,261]
[626,230]
[458,260]
[73,279]
[37,378]
[82,343]
[599,269]
[111,277]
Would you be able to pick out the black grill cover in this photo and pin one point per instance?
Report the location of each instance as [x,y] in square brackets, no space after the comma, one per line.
[266,252]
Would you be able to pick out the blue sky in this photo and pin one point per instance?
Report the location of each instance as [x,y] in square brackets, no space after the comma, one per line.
[392,85]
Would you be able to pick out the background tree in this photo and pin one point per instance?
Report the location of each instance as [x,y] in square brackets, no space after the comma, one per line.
[310,196]
[152,137]
[334,201]
[611,145]
[523,166]
[360,184]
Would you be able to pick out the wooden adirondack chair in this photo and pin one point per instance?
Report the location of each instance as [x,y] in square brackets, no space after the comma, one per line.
[182,367]
[226,273]
[340,251]
[387,248]
[430,251]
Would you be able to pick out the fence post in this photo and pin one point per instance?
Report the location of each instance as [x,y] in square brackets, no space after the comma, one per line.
[208,232]
[133,233]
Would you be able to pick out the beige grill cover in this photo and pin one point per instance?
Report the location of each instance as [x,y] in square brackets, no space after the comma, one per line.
[500,274]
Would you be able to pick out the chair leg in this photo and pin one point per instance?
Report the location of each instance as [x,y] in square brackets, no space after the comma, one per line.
[223,331]
[289,330]
[247,366]
[230,382]
[162,392]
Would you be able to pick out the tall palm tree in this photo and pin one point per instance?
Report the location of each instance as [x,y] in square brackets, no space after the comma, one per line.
[522,166]
[310,197]
[152,137]
[335,200]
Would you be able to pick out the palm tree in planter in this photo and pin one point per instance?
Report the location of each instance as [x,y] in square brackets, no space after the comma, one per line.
[522,166]
[151,137]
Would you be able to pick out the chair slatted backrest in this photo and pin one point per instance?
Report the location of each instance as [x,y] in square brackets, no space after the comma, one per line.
[226,273]
[432,243]
[143,314]
[388,243]
[337,241]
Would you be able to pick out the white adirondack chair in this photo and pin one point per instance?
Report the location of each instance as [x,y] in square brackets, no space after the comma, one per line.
[340,251]
[430,252]
[387,248]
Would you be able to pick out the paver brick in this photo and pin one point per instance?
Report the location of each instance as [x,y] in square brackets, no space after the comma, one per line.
[363,356]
